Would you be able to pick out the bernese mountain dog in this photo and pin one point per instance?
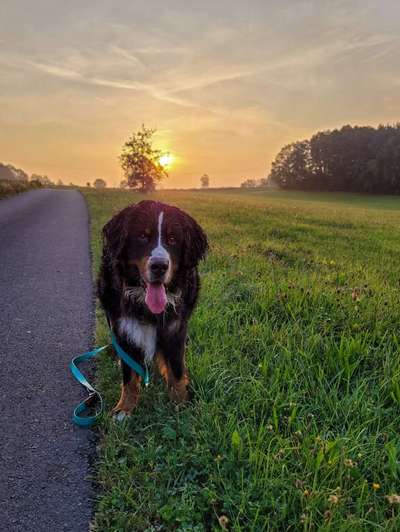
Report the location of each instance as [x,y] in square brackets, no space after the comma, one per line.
[148,287]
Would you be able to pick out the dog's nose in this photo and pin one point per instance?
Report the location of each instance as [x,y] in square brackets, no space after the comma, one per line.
[159,267]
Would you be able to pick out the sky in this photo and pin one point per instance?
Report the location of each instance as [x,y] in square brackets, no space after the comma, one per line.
[226,83]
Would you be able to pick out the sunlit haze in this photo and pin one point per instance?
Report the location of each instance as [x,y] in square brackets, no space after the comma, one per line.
[226,84]
[167,160]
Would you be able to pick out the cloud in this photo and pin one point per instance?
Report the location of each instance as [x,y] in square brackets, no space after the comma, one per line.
[209,80]
[130,56]
[131,85]
[163,91]
[54,70]
[166,50]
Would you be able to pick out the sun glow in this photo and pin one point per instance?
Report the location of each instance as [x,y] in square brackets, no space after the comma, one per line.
[166,160]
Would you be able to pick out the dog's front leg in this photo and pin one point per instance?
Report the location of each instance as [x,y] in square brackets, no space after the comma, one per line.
[130,390]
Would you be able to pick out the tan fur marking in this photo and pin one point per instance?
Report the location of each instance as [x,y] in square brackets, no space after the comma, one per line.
[141,265]
[177,390]
[162,366]
[129,396]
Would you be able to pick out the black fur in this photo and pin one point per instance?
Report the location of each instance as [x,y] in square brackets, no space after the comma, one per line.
[125,251]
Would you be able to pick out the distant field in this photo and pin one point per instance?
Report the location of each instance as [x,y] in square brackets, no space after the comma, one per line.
[295,366]
[353,200]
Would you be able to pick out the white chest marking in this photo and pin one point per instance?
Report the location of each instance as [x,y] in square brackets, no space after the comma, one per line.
[140,334]
[160,251]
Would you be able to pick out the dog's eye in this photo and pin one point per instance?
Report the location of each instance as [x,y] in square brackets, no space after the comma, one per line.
[143,237]
[171,240]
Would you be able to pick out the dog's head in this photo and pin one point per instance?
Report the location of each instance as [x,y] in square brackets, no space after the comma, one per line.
[154,241]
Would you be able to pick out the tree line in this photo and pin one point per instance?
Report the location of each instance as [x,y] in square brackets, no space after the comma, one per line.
[351,159]
[10,173]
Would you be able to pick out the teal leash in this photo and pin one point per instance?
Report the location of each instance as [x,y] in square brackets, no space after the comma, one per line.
[77,417]
[84,420]
[137,368]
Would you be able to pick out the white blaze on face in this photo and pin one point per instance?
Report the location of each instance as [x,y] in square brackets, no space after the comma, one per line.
[156,296]
[159,252]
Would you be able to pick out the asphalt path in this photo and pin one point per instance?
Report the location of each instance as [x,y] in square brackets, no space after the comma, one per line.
[46,316]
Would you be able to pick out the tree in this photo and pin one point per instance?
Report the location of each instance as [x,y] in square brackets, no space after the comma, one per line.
[10,173]
[42,179]
[88,184]
[350,159]
[99,183]
[291,167]
[19,174]
[6,172]
[60,183]
[249,183]
[123,184]
[205,181]
[141,162]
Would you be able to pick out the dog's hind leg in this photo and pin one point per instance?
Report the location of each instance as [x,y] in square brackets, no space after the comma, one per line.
[162,366]
[178,390]
[172,367]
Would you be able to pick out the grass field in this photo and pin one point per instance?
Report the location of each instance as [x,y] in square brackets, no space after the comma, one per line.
[295,368]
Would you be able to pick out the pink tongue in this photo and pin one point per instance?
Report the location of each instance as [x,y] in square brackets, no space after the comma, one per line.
[156,298]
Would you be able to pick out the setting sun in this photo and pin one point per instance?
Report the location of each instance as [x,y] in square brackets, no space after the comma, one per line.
[166,160]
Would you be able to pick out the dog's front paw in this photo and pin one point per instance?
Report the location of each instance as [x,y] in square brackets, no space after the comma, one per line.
[120,415]
[178,392]
[128,400]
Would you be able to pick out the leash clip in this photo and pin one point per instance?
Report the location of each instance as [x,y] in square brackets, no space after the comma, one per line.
[146,375]
[91,399]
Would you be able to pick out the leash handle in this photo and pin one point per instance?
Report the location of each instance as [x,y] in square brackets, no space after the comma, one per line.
[94,395]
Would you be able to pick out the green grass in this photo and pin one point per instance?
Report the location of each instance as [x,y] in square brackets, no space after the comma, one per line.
[295,367]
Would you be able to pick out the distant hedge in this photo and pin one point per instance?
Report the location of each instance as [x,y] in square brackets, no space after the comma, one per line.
[9,188]
[353,159]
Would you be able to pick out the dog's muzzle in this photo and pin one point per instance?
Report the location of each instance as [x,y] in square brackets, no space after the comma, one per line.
[158,268]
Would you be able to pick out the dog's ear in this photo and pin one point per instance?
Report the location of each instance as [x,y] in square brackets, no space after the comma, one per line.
[195,242]
[115,234]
